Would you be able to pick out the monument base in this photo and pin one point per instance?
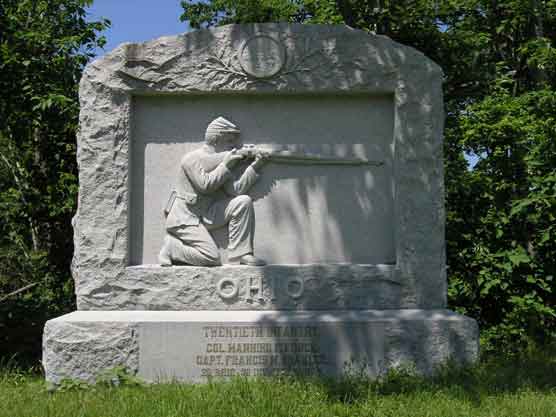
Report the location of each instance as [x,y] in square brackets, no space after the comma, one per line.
[194,346]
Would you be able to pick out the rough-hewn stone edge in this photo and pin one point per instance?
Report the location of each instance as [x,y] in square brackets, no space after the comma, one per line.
[137,66]
[85,350]
[85,344]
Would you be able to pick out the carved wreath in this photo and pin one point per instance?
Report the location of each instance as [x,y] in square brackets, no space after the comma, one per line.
[228,63]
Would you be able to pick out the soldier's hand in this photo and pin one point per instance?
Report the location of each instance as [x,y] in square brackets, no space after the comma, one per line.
[232,158]
[260,160]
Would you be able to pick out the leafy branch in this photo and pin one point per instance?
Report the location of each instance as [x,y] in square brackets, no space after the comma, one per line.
[297,67]
[219,65]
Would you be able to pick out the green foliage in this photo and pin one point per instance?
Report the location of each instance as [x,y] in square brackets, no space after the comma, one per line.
[509,255]
[44,45]
[205,14]
[499,61]
[498,386]
[119,376]
[219,12]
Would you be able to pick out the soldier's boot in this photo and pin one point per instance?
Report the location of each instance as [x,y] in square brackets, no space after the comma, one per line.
[251,260]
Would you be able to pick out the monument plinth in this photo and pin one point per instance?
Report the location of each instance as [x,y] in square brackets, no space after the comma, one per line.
[339,190]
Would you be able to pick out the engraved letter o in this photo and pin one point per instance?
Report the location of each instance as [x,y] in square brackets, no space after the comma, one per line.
[220,288]
[299,292]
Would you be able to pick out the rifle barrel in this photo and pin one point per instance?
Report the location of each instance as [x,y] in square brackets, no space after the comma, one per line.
[321,160]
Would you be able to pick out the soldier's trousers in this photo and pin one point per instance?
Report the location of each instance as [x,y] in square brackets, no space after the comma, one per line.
[194,245]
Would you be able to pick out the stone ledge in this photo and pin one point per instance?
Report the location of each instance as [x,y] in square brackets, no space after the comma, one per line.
[250,316]
[273,287]
[193,346]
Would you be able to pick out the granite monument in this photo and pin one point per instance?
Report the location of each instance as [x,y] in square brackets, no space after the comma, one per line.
[258,199]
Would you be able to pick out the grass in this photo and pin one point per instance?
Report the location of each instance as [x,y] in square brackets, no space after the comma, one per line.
[519,386]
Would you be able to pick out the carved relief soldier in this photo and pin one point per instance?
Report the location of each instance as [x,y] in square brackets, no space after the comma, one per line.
[209,194]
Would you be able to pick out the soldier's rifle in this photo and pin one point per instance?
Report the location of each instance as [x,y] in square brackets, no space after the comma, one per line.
[250,151]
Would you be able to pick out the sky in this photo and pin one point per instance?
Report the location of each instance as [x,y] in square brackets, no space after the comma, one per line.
[137,20]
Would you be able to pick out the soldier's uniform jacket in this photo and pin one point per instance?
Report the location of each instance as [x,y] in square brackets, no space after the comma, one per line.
[196,189]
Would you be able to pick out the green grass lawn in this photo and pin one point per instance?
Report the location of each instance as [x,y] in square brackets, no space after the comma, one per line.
[497,387]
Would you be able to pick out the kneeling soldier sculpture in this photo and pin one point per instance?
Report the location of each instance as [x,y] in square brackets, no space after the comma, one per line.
[207,196]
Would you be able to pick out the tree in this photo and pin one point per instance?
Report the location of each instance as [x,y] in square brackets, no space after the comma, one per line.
[499,62]
[44,45]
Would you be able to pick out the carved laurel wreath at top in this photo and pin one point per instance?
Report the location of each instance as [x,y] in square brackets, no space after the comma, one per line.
[218,64]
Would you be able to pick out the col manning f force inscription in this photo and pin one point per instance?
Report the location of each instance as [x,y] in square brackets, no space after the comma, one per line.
[259,351]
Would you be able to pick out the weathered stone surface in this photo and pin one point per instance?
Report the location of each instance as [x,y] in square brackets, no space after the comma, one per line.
[357,257]
[273,287]
[321,61]
[82,350]
[190,346]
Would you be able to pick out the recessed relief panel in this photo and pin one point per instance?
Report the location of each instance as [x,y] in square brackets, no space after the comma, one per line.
[332,202]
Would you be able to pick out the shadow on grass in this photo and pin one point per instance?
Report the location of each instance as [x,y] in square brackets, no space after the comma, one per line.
[493,375]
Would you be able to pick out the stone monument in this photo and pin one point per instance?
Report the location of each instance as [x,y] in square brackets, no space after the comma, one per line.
[316,249]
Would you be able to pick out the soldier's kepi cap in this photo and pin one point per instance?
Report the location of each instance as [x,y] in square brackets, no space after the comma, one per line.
[221,125]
